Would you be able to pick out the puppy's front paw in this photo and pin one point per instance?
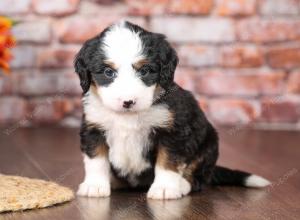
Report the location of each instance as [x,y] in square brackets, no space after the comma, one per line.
[163,192]
[94,189]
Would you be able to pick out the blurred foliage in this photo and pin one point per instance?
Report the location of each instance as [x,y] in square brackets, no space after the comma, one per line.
[7,41]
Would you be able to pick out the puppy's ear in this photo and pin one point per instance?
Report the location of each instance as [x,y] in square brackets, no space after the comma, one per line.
[82,70]
[169,61]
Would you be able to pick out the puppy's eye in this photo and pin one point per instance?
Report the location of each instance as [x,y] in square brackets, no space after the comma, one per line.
[144,71]
[109,72]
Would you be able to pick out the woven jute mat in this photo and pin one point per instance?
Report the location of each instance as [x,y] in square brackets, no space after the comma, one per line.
[20,193]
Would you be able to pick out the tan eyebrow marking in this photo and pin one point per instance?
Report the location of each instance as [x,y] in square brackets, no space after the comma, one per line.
[139,64]
[111,64]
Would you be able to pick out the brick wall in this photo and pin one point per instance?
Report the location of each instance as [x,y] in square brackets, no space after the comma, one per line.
[241,58]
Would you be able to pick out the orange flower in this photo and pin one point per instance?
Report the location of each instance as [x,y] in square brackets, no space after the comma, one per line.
[7,41]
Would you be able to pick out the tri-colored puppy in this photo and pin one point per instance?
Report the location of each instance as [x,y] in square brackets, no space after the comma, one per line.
[139,127]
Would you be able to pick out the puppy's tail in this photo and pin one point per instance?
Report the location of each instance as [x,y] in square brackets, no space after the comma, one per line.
[225,176]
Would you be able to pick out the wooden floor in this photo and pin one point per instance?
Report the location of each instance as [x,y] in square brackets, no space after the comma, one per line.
[53,154]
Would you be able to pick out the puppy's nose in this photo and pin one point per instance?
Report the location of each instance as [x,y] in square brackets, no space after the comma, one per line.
[128,104]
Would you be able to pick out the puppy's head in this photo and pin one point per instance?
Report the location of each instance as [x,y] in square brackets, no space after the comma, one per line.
[126,64]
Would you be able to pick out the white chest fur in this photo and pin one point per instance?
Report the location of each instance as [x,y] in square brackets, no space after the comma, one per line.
[127,134]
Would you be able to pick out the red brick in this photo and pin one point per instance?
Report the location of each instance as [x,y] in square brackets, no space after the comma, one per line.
[233,111]
[284,57]
[86,28]
[69,84]
[147,7]
[239,83]
[241,56]
[185,78]
[293,84]
[57,57]
[158,7]
[73,118]
[280,110]
[58,83]
[5,84]
[91,7]
[200,7]
[268,30]
[236,7]
[9,7]
[55,7]
[24,56]
[279,7]
[192,29]
[38,84]
[197,55]
[33,32]
[12,109]
[49,110]
[104,2]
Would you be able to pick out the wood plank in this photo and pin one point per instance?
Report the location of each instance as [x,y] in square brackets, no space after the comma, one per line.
[53,154]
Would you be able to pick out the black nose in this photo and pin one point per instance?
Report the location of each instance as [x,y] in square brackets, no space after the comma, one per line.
[128,104]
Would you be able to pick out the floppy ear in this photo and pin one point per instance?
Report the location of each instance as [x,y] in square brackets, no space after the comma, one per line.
[82,70]
[169,61]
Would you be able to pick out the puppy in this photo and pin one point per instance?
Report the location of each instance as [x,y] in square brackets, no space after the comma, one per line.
[139,128]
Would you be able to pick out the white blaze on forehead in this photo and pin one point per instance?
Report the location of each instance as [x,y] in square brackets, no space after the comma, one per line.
[122,45]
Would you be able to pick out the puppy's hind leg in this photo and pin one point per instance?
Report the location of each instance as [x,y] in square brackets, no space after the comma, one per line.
[169,182]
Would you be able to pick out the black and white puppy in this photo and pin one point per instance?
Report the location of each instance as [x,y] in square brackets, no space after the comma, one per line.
[139,128]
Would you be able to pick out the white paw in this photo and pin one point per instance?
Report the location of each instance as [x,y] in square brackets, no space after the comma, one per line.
[185,186]
[168,185]
[94,190]
[163,192]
